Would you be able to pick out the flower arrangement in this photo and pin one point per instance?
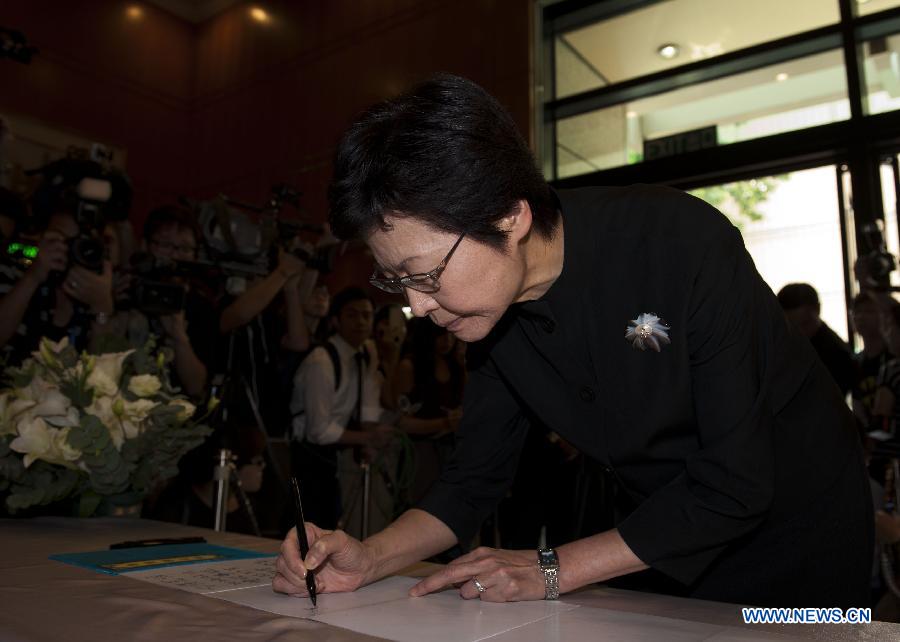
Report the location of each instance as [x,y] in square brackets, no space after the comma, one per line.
[90,426]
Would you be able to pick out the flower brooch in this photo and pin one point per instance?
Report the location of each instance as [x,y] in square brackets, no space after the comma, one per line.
[647,331]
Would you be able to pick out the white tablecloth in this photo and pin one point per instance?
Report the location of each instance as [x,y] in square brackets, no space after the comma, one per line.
[41,599]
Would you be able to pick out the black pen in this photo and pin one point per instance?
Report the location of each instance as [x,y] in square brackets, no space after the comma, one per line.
[304,543]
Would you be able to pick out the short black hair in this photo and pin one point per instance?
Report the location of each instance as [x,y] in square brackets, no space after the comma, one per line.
[170,215]
[348,295]
[446,153]
[795,295]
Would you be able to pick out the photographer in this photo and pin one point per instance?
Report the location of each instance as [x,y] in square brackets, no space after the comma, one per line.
[170,236]
[248,306]
[55,296]
[265,333]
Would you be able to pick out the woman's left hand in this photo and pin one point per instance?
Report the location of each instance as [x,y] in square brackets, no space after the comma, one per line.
[506,576]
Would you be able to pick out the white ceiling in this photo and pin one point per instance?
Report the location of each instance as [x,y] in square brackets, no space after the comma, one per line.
[626,46]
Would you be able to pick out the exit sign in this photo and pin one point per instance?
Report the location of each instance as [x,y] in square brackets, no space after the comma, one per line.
[680,143]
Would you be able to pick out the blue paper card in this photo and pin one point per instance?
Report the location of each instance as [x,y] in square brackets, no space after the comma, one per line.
[124,560]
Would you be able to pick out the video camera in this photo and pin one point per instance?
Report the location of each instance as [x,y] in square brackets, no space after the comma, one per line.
[157,289]
[239,236]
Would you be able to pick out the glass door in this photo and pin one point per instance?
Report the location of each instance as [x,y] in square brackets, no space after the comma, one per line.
[792,227]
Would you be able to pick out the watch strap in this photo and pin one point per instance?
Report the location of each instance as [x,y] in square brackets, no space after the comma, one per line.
[548,562]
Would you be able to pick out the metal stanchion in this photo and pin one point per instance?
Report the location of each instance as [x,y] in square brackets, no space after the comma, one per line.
[222,476]
[367,490]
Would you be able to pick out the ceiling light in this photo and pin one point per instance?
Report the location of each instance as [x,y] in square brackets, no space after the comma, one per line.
[668,51]
[781,77]
[134,12]
[260,15]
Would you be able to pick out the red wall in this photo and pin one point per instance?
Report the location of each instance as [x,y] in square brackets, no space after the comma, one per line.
[109,78]
[234,105]
[273,99]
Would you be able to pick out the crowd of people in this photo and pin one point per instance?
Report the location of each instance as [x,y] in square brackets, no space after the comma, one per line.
[309,384]
[870,378]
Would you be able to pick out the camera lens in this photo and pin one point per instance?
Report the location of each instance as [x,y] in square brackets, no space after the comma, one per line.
[87,252]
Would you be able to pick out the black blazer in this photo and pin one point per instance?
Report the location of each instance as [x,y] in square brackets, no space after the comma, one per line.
[722,440]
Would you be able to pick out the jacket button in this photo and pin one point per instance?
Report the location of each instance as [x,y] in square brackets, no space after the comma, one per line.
[587,394]
[548,325]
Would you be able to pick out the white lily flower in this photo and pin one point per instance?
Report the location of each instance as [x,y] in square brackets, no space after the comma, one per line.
[107,372]
[52,403]
[13,413]
[34,440]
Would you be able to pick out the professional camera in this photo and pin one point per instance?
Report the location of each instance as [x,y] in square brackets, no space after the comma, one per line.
[233,238]
[156,289]
[92,193]
[877,263]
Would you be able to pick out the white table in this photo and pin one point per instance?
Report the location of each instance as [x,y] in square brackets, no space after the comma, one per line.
[41,599]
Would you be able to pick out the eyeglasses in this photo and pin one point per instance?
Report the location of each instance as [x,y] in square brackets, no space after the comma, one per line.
[427,282]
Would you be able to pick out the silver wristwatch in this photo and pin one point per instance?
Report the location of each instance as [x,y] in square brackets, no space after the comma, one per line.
[548,561]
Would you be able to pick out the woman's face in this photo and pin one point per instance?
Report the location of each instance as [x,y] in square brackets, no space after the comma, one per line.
[477,285]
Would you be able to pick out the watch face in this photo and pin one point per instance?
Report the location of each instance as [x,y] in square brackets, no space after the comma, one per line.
[547,558]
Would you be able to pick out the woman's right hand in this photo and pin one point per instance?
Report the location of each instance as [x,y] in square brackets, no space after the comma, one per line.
[341,563]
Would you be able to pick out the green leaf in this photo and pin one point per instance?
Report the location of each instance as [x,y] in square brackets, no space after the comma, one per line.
[88,503]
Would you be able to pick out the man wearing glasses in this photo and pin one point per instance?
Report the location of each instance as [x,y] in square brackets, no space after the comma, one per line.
[170,235]
[630,321]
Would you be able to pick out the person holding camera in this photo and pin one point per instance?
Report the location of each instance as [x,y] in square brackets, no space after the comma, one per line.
[56,296]
[265,333]
[170,236]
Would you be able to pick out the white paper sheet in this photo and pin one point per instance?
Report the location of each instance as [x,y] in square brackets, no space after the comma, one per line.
[212,577]
[589,623]
[384,610]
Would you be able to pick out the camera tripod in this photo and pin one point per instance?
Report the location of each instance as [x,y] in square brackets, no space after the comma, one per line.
[224,476]
[228,387]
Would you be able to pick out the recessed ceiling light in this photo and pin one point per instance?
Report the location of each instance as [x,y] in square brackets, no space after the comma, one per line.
[260,15]
[668,50]
[781,77]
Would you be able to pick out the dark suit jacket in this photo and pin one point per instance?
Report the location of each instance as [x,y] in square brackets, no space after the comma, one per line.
[722,441]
